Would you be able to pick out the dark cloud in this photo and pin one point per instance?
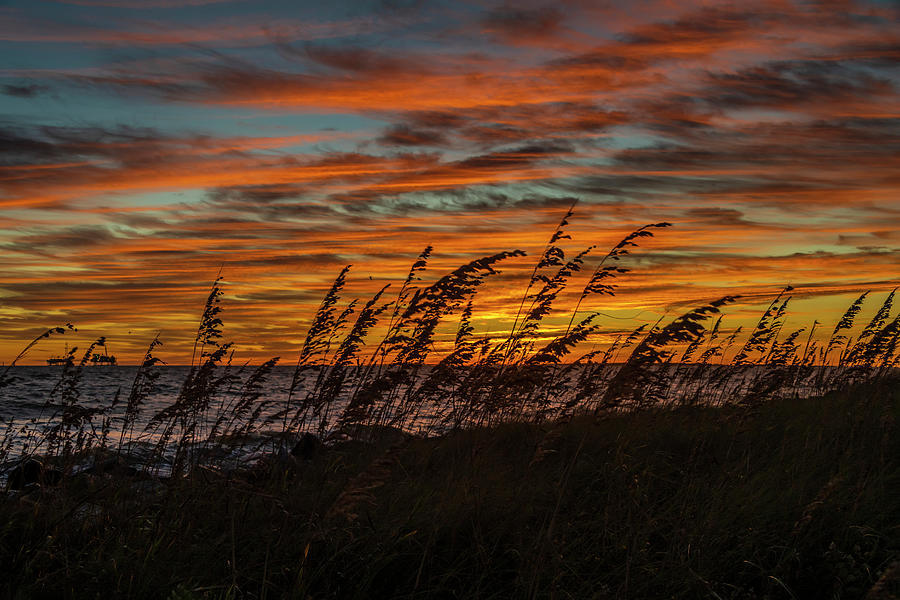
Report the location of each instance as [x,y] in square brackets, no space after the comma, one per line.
[605,59]
[500,125]
[404,135]
[709,24]
[789,84]
[878,240]
[472,199]
[520,156]
[84,292]
[290,297]
[437,119]
[513,22]
[24,145]
[720,217]
[462,184]
[17,148]
[268,204]
[644,188]
[28,90]
[139,220]
[812,145]
[358,60]
[70,238]
[877,53]
[254,194]
[400,7]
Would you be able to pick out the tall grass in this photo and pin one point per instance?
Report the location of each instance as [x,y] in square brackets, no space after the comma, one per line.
[564,467]
[346,379]
[794,501]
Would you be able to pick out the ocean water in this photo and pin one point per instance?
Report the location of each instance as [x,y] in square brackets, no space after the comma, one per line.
[33,390]
[31,402]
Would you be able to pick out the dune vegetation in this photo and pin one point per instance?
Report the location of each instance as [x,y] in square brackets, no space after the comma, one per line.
[680,461]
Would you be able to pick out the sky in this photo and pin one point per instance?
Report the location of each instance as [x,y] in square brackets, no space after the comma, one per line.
[148,145]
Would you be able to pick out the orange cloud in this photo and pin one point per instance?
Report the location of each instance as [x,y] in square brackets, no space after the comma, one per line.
[768,134]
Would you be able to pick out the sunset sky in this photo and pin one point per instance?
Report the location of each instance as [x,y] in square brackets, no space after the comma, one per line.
[147,144]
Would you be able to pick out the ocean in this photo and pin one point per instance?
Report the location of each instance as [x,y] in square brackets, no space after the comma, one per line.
[31,401]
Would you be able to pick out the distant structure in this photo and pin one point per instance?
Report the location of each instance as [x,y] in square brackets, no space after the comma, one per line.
[96,358]
[59,360]
[102,359]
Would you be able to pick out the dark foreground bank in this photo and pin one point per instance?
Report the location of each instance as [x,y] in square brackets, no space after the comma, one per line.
[793,499]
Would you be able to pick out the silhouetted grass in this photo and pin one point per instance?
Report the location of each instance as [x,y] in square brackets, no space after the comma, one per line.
[798,499]
[665,465]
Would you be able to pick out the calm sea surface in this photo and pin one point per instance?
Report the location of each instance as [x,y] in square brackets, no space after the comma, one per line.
[33,387]
[31,402]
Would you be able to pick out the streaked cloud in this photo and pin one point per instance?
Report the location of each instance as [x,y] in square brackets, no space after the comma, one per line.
[767,132]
